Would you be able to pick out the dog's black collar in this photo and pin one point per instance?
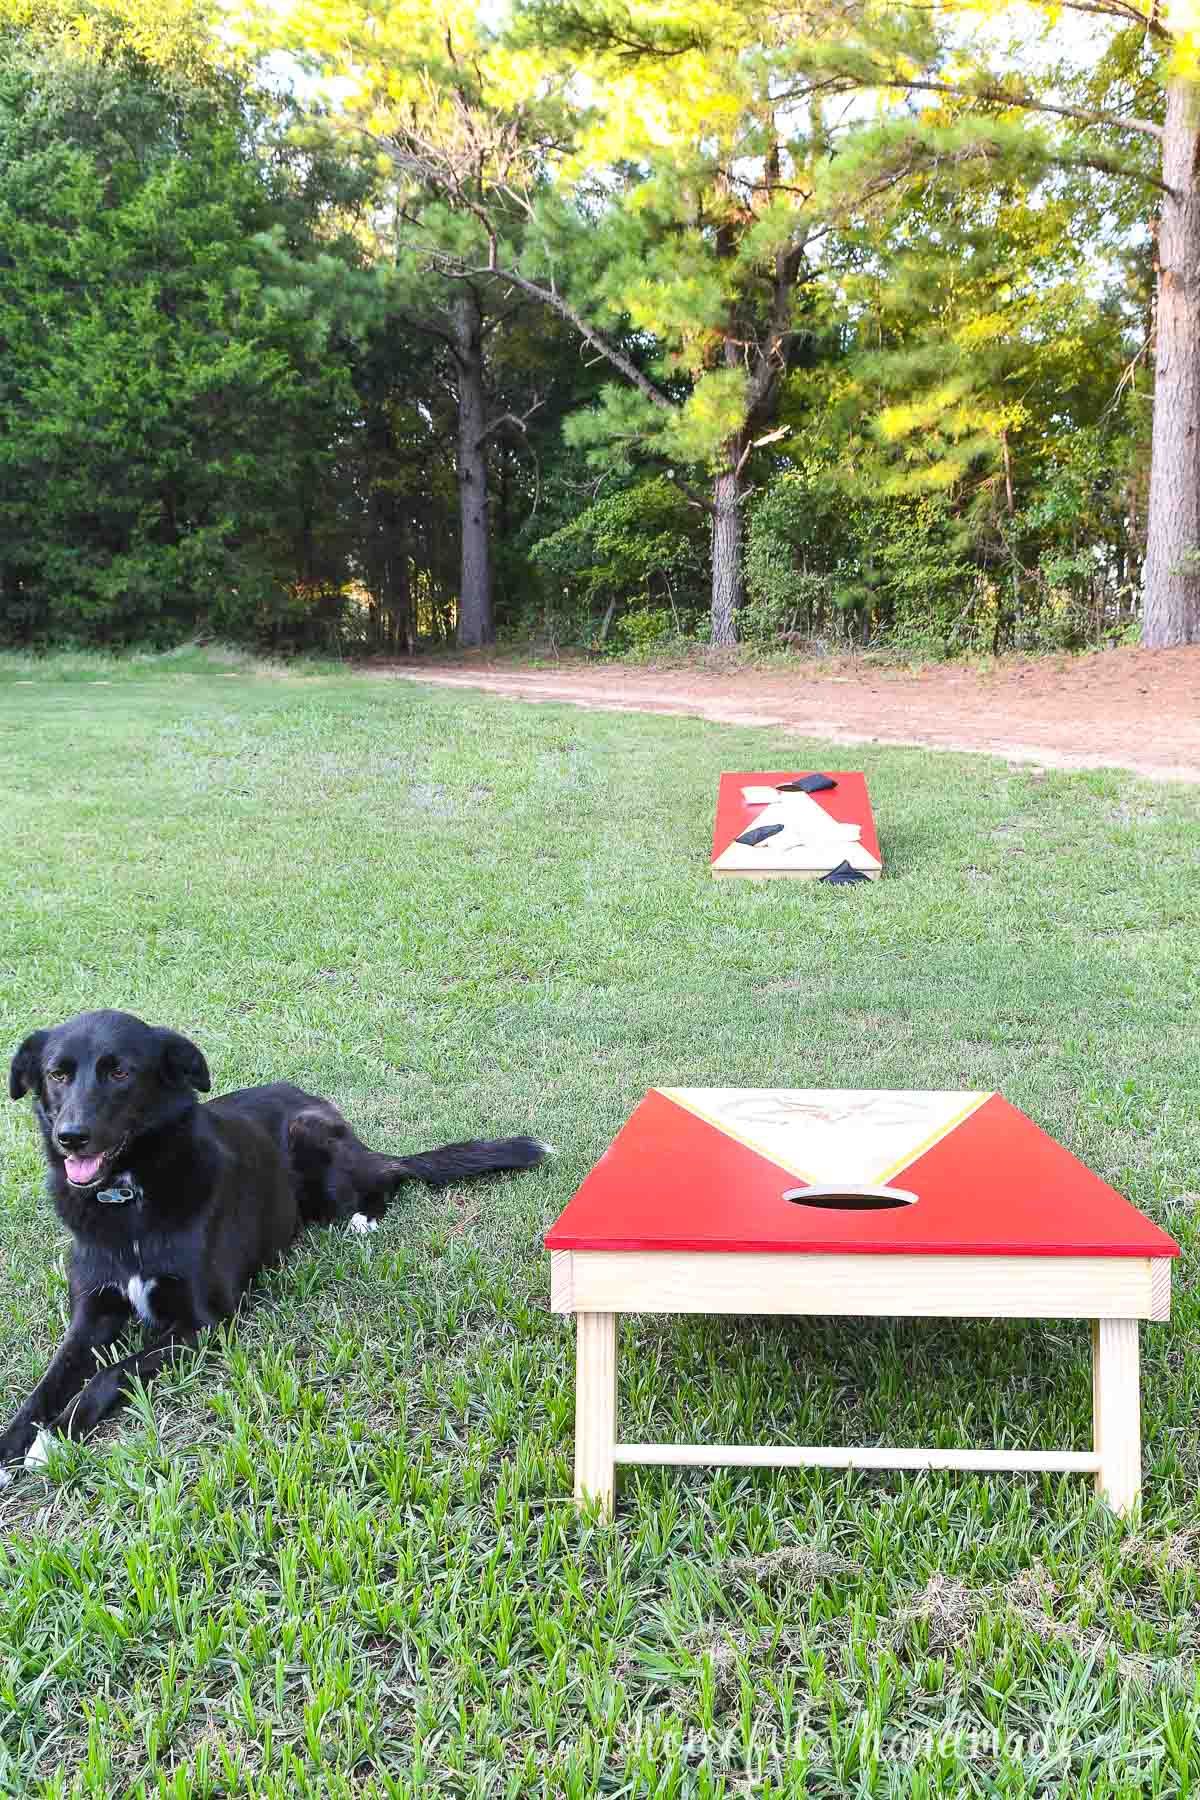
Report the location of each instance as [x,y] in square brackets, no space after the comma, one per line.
[123,1190]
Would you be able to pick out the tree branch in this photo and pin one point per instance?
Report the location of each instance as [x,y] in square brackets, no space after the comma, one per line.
[442,168]
[700,501]
[426,327]
[768,437]
[552,298]
[508,418]
[1001,97]
[1115,10]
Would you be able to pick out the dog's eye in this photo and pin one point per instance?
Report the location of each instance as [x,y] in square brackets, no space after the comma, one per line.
[58,1075]
[117,1074]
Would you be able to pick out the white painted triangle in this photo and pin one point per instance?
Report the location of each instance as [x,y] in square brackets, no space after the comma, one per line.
[802,815]
[810,841]
[833,1135]
[783,853]
[797,802]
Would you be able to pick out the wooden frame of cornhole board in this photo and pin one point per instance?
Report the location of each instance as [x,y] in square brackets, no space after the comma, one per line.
[846,804]
[735,1201]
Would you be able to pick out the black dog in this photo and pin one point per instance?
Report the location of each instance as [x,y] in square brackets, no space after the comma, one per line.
[174,1206]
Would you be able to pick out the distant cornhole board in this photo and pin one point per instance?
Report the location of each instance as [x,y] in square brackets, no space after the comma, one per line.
[804,835]
[859,1204]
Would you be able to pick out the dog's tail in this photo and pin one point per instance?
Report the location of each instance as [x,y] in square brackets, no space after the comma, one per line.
[478,1156]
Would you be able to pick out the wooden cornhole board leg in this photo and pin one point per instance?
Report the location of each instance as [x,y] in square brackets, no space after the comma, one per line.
[1117,1412]
[595,1407]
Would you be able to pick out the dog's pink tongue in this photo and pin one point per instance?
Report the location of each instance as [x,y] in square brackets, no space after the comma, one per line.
[82,1169]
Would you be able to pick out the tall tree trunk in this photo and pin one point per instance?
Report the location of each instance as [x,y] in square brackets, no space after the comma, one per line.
[727,586]
[404,596]
[1171,588]
[475,581]
[399,587]
[727,582]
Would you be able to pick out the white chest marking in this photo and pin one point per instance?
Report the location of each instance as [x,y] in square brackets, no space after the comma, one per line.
[139,1297]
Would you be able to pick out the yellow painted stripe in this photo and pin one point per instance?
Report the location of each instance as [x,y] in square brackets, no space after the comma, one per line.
[935,1137]
[674,1095]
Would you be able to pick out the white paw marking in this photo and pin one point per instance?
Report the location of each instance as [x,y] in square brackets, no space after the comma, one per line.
[139,1298]
[547,1149]
[6,1478]
[38,1453]
[360,1223]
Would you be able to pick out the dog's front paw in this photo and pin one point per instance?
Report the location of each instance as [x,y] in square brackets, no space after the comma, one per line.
[36,1457]
[13,1446]
[41,1449]
[359,1223]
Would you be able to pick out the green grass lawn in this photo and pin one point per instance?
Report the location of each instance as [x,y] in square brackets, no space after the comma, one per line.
[335,1554]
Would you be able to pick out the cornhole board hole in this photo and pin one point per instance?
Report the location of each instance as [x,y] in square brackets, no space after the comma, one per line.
[819,831]
[861,1204]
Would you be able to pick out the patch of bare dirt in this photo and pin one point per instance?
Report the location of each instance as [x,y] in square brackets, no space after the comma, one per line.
[1126,709]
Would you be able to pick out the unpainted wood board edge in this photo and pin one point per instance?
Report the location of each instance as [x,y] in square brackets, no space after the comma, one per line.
[840,1284]
[562,1282]
[782,874]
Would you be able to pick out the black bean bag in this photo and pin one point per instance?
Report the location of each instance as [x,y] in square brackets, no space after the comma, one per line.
[844,874]
[758,834]
[807,784]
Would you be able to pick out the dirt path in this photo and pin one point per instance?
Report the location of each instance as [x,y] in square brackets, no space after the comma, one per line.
[1127,709]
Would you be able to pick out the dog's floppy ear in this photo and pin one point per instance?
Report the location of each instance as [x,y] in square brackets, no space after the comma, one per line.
[26,1069]
[182,1065]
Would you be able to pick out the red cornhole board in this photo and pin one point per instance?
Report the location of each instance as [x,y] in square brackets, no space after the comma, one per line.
[859,1203]
[801,850]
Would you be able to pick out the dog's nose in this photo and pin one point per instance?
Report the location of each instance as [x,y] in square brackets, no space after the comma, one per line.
[72,1140]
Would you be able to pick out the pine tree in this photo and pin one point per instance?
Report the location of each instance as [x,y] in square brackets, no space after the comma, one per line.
[686,213]
[1155,53]
[696,200]
[737,80]
[407,74]
[931,459]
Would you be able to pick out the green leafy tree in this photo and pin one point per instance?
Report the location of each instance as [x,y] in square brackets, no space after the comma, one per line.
[477,125]
[173,412]
[632,558]
[406,73]
[699,203]
[973,355]
[680,214]
[1134,107]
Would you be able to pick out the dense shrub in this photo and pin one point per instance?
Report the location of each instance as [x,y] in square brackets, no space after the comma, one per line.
[171,410]
[630,569]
